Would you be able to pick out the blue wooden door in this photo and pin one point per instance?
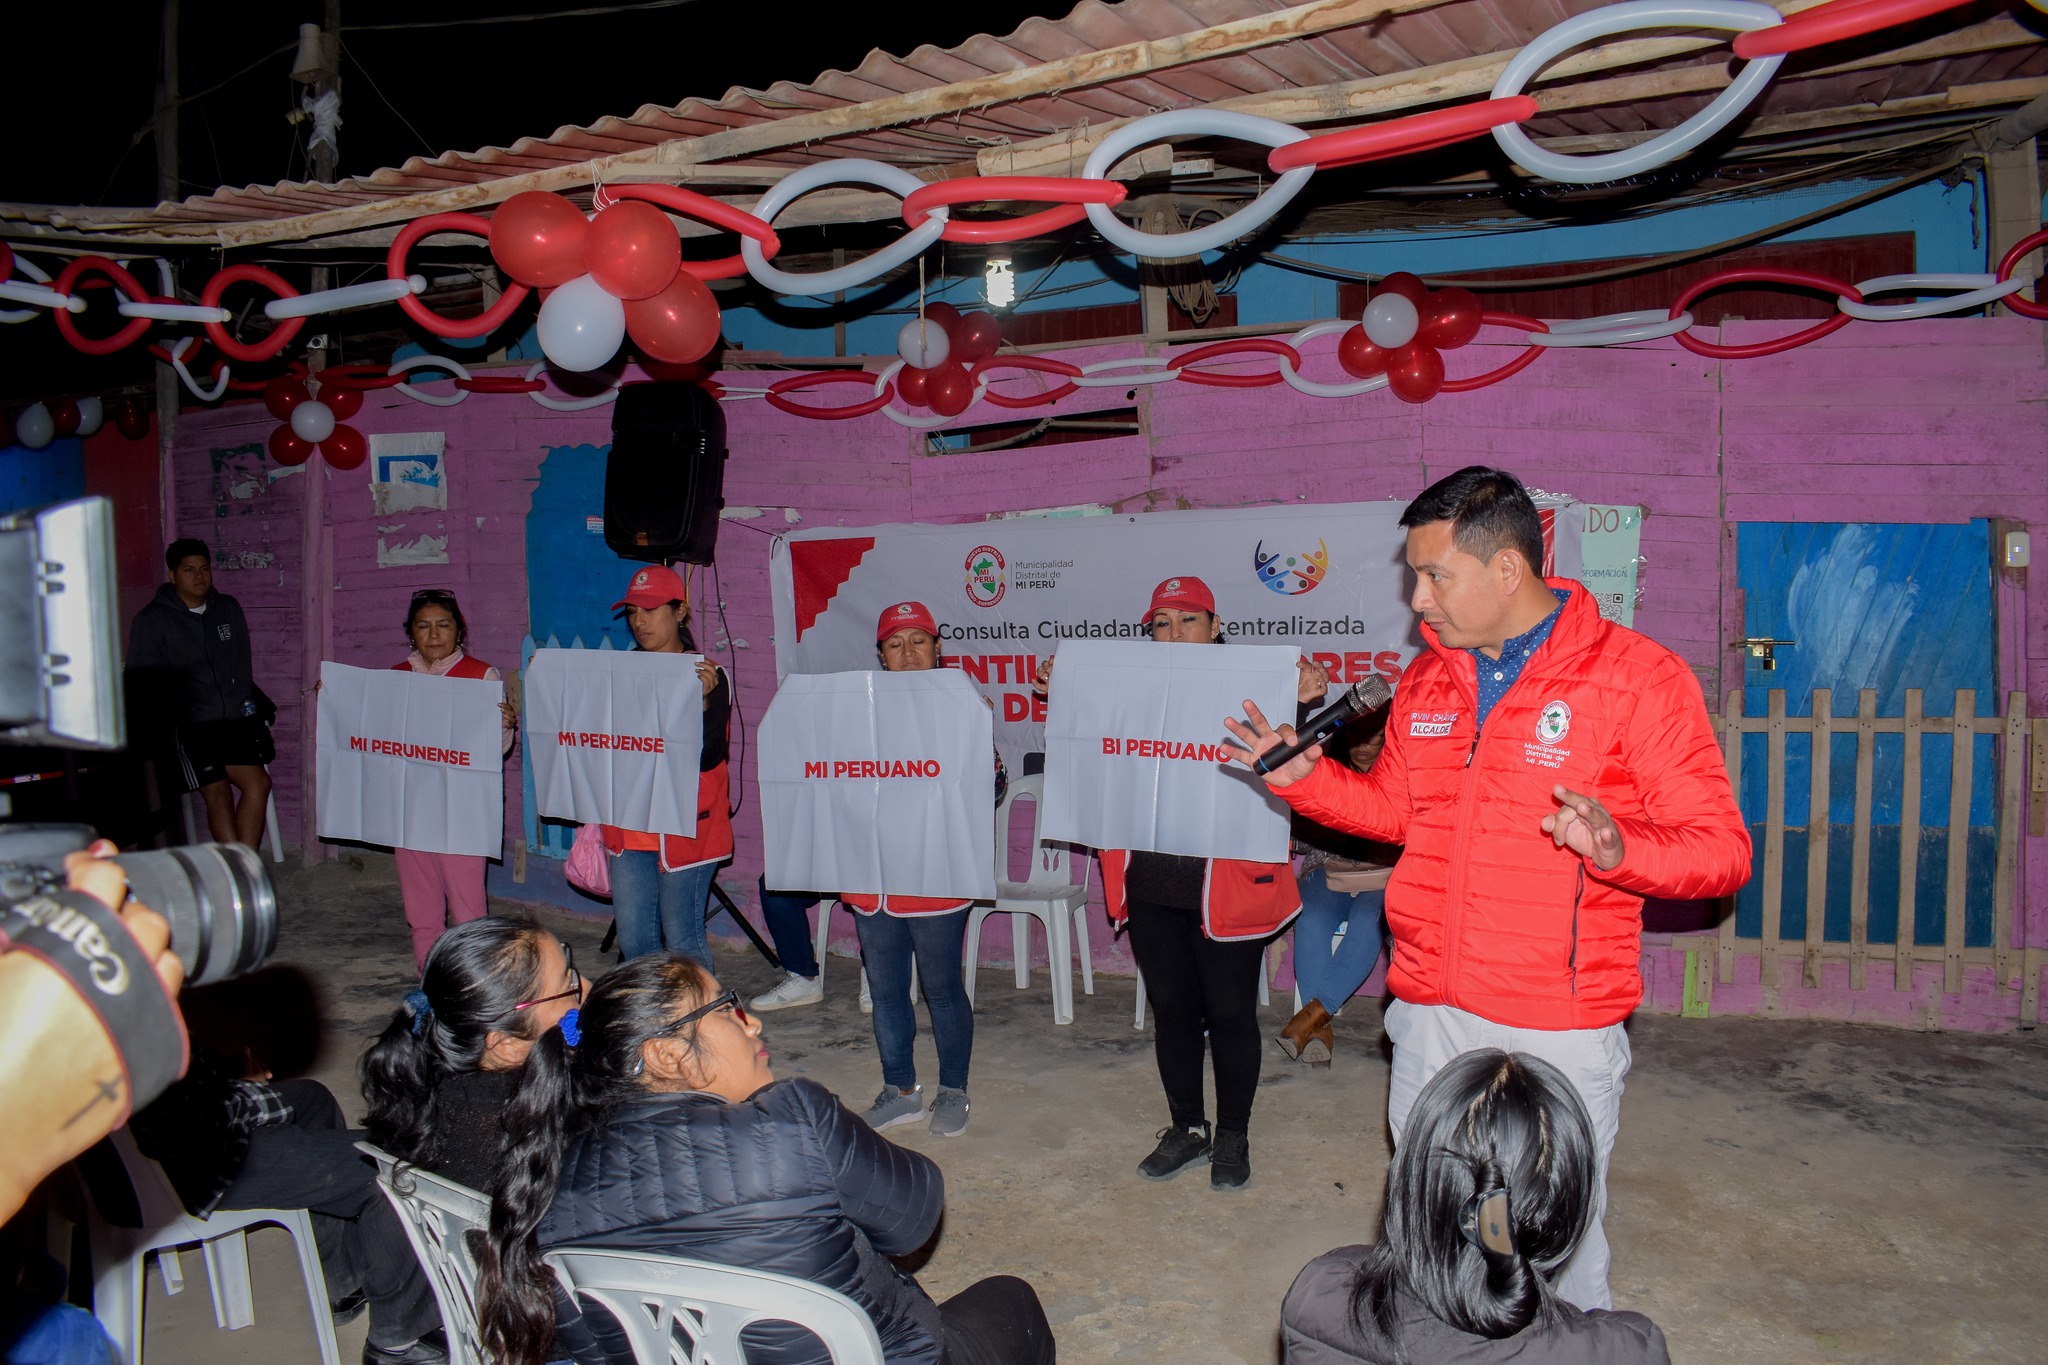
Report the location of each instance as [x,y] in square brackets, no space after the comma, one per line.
[1887,607]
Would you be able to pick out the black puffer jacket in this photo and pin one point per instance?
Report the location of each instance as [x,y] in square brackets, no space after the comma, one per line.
[790,1181]
[206,653]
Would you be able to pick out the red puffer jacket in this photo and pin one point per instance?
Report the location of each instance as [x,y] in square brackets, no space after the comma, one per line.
[1488,914]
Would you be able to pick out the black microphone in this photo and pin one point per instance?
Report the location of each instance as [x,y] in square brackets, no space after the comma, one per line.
[1369,695]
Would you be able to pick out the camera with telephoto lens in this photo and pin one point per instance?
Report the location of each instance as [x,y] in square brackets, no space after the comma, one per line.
[60,687]
[217,898]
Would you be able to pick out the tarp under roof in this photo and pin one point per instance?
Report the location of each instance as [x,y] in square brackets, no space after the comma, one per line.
[1038,100]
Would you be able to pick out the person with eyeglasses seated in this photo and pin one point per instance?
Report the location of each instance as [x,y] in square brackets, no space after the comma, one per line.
[1494,1186]
[438,1078]
[651,1121]
[442,890]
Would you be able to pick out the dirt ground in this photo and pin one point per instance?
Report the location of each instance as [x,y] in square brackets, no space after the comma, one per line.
[1782,1191]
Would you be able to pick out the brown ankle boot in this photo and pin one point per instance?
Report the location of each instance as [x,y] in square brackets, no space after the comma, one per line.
[1307,1035]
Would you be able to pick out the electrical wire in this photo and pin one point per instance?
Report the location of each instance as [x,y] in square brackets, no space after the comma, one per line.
[378,91]
[586,13]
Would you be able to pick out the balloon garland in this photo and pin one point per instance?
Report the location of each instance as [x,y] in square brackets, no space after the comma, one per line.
[619,272]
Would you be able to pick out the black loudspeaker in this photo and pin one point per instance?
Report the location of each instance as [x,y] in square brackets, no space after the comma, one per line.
[664,481]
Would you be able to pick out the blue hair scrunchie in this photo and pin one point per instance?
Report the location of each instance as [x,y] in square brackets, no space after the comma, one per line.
[420,1007]
[572,1028]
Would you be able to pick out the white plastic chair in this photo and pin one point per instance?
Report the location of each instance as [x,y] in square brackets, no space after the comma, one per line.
[1049,896]
[192,807]
[438,1214]
[119,1256]
[679,1312]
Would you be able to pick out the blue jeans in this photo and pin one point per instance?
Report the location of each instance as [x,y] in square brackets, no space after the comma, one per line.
[657,909]
[887,943]
[789,924]
[1334,975]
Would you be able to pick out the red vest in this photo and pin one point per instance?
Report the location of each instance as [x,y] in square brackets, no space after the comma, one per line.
[468,666]
[902,905]
[713,840]
[1239,900]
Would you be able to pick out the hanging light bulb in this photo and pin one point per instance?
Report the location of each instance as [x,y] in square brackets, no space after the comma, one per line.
[999,282]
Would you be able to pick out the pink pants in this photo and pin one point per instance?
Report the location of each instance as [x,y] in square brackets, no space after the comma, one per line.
[440,890]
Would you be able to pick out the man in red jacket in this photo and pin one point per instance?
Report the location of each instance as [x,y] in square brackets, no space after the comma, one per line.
[1546,770]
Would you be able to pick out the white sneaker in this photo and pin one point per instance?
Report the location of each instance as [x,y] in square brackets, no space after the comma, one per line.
[794,990]
[867,1001]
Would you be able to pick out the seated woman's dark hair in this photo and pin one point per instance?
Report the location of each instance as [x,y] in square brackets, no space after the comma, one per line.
[1475,1257]
[476,973]
[566,1091]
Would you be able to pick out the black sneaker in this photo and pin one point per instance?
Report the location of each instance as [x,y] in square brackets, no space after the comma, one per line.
[1230,1164]
[431,1349]
[349,1309]
[1178,1149]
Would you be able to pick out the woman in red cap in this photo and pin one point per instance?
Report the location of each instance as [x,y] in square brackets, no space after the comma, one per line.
[442,890]
[1199,928]
[894,930]
[662,882]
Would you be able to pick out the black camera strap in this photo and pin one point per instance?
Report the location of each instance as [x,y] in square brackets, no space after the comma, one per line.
[86,942]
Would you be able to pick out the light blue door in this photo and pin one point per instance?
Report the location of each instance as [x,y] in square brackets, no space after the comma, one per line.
[1887,607]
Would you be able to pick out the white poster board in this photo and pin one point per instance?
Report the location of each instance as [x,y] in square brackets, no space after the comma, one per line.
[409,760]
[614,737]
[1134,748]
[879,783]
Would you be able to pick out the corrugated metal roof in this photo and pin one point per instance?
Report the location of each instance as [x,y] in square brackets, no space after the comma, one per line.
[1051,131]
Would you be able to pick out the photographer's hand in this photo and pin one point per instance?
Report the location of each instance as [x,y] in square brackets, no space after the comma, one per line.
[63,1085]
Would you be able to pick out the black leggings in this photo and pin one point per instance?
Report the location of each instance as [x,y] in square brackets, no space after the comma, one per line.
[996,1321]
[1196,984]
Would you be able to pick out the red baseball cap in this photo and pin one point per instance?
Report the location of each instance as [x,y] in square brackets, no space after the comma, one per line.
[906,616]
[654,586]
[1188,594]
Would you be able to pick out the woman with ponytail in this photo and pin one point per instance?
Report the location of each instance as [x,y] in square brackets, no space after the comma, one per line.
[439,1077]
[649,1120]
[1490,1193]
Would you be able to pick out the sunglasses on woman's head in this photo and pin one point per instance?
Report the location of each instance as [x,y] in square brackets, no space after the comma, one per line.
[432,595]
[575,983]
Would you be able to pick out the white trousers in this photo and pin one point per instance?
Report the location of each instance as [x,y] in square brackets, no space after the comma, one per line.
[1426,1037]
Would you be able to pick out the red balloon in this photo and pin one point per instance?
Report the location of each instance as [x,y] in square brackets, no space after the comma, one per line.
[913,386]
[679,324]
[948,388]
[65,417]
[131,419]
[344,403]
[944,314]
[1360,355]
[1450,319]
[975,339]
[1408,286]
[537,238]
[284,393]
[632,251]
[1415,372]
[288,449]
[347,448]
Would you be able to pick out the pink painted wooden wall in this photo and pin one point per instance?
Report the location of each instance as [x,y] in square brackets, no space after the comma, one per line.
[1934,421]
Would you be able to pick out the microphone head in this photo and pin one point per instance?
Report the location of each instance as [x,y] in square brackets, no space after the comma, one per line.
[1370,694]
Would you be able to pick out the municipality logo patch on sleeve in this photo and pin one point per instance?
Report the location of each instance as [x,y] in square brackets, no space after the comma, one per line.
[1553,722]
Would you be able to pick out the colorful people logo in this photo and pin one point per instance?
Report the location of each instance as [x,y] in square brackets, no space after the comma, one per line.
[987,576]
[1291,575]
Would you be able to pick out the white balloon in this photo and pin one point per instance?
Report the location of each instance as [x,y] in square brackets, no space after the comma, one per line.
[1391,320]
[90,415]
[923,344]
[35,428]
[581,326]
[312,420]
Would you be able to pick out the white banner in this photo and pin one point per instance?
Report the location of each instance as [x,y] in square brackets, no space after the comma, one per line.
[614,737]
[410,761]
[1134,748]
[877,783]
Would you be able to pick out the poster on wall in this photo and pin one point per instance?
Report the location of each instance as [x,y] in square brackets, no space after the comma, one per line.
[410,761]
[1329,579]
[1135,752]
[876,782]
[614,737]
[1610,544]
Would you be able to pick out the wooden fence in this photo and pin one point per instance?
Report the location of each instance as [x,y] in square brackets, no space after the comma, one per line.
[2015,962]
